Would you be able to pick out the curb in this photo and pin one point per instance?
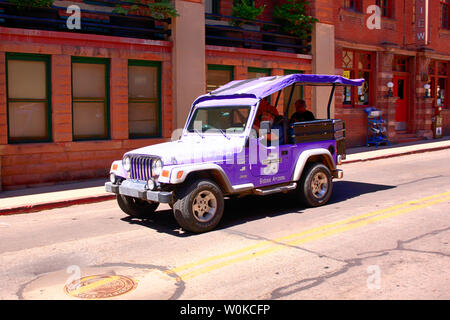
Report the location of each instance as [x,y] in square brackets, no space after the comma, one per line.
[95,199]
[393,155]
[54,205]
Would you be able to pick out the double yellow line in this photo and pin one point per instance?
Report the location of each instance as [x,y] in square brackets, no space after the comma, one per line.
[206,265]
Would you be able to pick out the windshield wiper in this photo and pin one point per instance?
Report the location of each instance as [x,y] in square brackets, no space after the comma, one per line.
[224,134]
[199,133]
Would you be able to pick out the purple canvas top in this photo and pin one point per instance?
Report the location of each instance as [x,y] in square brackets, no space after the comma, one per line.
[259,88]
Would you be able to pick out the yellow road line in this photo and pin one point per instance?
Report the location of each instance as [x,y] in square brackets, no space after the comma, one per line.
[280,243]
[93,285]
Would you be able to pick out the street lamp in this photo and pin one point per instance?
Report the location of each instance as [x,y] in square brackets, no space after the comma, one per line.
[427,90]
[390,85]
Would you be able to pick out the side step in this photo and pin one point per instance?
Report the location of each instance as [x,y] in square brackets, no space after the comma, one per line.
[266,191]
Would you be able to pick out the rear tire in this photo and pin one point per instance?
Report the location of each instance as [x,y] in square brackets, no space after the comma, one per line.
[199,207]
[316,185]
[137,208]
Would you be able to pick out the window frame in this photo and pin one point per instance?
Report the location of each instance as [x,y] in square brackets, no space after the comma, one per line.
[387,11]
[48,76]
[266,71]
[399,62]
[356,6]
[158,65]
[355,70]
[107,63]
[219,67]
[215,7]
[436,76]
[441,24]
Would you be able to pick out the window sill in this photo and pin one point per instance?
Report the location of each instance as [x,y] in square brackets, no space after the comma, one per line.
[29,142]
[351,16]
[389,19]
[144,137]
[444,33]
[353,11]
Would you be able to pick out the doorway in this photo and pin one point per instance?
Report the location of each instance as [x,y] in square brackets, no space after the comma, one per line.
[401,89]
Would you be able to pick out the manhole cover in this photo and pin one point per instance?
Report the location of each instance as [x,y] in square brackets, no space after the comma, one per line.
[107,282]
[100,287]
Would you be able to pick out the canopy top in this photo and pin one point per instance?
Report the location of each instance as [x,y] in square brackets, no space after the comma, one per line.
[259,88]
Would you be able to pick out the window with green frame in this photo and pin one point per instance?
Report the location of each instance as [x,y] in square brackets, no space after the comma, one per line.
[258,72]
[218,75]
[90,98]
[28,98]
[144,99]
[212,6]
[297,94]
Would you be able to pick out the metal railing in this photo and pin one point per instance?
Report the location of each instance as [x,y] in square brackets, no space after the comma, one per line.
[254,34]
[91,22]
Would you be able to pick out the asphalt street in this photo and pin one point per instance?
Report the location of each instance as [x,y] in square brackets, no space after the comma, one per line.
[384,235]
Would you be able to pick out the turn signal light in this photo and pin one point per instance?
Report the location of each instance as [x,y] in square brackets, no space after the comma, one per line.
[165,173]
[179,174]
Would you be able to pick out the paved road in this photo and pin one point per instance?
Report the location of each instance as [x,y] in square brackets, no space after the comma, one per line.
[384,235]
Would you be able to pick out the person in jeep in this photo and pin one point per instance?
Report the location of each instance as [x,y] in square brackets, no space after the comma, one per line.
[301,114]
[267,112]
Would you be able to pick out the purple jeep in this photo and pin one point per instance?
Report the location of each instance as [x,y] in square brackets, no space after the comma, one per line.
[220,154]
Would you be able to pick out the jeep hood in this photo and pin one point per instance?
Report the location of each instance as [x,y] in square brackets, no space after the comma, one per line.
[193,149]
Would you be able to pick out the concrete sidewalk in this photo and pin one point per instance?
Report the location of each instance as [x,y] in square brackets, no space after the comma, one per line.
[67,194]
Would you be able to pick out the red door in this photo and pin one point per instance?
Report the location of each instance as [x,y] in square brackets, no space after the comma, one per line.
[401,92]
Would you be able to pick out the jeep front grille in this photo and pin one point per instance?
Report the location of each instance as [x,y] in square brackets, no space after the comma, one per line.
[141,168]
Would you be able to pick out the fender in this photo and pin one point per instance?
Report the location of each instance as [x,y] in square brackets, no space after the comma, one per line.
[118,170]
[303,159]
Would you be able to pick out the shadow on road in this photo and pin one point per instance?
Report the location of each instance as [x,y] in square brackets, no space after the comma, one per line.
[344,190]
[251,208]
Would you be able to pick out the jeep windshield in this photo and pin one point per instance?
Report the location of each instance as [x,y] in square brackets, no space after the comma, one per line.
[224,119]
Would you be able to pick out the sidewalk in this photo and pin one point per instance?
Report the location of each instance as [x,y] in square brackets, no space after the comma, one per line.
[381,152]
[68,194]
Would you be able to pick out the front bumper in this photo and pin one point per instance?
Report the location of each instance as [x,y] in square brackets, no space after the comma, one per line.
[338,174]
[138,190]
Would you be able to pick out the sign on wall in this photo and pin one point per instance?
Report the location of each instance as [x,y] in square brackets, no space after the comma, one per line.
[421,19]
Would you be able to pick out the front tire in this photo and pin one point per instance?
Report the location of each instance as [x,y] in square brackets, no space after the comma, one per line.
[199,207]
[316,185]
[137,208]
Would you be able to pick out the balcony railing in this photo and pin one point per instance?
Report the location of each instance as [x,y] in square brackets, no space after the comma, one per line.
[99,21]
[254,34]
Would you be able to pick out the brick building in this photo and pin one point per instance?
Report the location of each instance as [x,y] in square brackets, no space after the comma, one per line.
[71,101]
[410,49]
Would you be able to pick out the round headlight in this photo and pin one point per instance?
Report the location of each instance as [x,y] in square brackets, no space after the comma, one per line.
[151,185]
[157,167]
[126,162]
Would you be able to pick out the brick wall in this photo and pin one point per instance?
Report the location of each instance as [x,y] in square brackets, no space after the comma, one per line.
[446,122]
[3,111]
[63,159]
[397,36]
